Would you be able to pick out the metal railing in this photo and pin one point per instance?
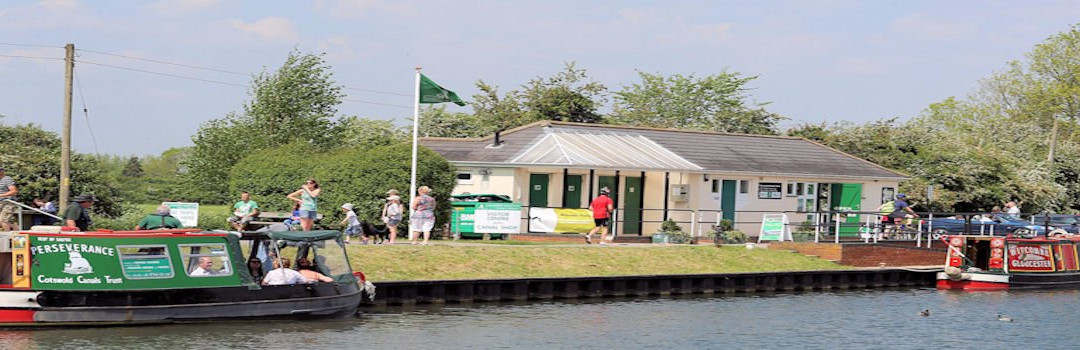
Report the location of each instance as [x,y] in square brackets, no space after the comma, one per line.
[27,207]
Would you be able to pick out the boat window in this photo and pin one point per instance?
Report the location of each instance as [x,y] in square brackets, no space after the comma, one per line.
[331,259]
[145,262]
[206,260]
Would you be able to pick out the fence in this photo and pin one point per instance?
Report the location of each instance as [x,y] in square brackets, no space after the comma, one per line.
[23,207]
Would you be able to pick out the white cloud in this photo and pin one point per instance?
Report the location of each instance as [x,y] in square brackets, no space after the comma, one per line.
[357,8]
[62,5]
[269,29]
[922,26]
[864,66]
[184,6]
[712,32]
[337,48]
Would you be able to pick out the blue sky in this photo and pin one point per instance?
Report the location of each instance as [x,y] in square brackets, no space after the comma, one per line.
[817,60]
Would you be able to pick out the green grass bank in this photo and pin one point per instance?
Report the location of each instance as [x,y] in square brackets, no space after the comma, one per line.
[437,262]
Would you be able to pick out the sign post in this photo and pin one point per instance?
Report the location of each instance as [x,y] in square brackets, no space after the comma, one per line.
[774,227]
[187,213]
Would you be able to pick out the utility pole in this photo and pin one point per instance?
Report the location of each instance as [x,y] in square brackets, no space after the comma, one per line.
[65,148]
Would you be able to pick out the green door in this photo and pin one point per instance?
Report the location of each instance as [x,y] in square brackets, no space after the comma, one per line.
[609,182]
[847,197]
[727,199]
[538,190]
[632,206]
[572,191]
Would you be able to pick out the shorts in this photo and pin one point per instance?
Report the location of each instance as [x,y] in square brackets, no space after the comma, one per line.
[8,212]
[240,220]
[900,215]
[421,225]
[601,222]
[309,214]
[393,221]
[353,230]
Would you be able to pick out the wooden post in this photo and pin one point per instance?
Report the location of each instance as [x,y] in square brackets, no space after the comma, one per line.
[65,148]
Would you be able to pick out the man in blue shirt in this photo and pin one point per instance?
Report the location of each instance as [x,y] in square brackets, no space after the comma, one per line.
[903,210]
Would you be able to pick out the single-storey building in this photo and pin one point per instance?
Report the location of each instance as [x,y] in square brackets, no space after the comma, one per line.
[695,178]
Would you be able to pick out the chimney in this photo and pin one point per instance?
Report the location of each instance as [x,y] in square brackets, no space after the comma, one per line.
[497,141]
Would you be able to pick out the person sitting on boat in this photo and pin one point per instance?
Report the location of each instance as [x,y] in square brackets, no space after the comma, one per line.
[255,268]
[282,274]
[309,273]
[159,220]
[205,267]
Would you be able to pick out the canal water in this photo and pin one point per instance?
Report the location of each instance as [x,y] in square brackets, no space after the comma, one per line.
[860,319]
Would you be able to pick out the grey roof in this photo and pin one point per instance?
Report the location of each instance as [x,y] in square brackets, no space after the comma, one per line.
[592,149]
[712,152]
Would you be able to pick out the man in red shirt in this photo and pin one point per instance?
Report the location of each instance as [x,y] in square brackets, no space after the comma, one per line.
[602,206]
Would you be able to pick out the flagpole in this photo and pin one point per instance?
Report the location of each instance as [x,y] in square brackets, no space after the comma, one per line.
[415,133]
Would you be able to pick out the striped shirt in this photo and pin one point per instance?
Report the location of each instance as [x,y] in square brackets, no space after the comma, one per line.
[5,183]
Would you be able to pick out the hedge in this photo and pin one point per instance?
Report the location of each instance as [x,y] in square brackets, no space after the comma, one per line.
[352,175]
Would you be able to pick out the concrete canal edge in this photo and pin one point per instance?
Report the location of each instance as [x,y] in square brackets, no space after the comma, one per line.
[395,293]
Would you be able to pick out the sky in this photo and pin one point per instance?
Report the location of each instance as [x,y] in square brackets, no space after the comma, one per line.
[816,61]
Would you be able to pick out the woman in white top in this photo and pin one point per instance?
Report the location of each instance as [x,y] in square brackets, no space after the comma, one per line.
[391,213]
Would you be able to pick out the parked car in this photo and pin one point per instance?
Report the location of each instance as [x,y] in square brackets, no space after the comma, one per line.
[1070,223]
[998,224]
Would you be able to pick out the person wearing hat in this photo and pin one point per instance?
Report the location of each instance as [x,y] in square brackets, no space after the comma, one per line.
[78,212]
[351,223]
[902,213]
[8,210]
[159,220]
[602,206]
[391,213]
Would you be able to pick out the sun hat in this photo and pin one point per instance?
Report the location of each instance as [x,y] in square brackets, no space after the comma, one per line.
[347,206]
[83,198]
[392,191]
[604,190]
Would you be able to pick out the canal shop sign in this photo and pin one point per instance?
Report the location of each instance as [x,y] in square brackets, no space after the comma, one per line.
[1030,257]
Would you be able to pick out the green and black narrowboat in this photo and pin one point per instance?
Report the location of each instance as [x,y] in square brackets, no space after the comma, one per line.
[135,277]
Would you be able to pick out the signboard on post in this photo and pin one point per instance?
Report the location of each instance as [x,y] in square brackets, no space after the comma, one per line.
[187,213]
[565,220]
[774,227]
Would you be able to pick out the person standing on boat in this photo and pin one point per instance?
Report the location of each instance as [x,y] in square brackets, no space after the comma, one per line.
[1012,209]
[78,212]
[159,220]
[8,210]
[308,197]
[243,211]
[601,208]
[423,216]
[47,207]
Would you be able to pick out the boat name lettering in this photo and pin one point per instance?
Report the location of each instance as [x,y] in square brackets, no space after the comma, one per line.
[1030,250]
[71,247]
[80,279]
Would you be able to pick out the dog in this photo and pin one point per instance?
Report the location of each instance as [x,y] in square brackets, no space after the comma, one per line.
[377,233]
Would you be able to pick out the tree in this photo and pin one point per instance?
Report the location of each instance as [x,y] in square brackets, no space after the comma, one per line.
[133,168]
[714,103]
[355,131]
[297,102]
[566,96]
[437,122]
[497,112]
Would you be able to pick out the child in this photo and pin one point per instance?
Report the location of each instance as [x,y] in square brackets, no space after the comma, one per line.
[295,219]
[352,223]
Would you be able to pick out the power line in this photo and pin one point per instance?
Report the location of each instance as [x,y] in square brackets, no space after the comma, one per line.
[164,62]
[377,103]
[31,45]
[220,82]
[33,57]
[86,112]
[164,74]
[227,71]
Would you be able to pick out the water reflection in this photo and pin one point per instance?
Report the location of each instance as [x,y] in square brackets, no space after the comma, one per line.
[820,320]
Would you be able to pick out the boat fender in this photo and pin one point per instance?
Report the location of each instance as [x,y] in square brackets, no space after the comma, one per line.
[954,273]
[1058,233]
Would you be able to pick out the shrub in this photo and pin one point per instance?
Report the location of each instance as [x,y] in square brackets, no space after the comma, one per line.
[727,237]
[674,232]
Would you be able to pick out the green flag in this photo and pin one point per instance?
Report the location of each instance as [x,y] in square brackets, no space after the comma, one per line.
[433,93]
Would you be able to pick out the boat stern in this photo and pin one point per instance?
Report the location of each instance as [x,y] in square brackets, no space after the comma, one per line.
[971,281]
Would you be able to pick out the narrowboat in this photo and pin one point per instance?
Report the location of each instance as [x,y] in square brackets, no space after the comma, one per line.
[137,277]
[1003,263]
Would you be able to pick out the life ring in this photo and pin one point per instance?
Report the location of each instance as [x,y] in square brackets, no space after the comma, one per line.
[1057,233]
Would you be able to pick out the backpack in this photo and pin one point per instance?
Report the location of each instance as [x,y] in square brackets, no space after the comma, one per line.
[887,208]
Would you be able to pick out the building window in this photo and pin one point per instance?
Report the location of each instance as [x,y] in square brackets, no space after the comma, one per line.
[464,179]
[744,186]
[715,186]
[887,194]
[791,190]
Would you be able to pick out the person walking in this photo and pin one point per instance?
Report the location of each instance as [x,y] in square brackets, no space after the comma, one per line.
[602,206]
[391,213]
[8,210]
[351,223]
[308,197]
[423,215]
[78,212]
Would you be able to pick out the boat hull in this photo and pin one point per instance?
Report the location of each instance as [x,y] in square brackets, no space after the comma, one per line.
[57,308]
[974,281]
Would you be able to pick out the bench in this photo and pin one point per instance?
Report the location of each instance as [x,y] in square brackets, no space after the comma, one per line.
[266,218]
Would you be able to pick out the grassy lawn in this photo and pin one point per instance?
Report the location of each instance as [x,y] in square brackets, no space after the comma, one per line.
[435,262]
